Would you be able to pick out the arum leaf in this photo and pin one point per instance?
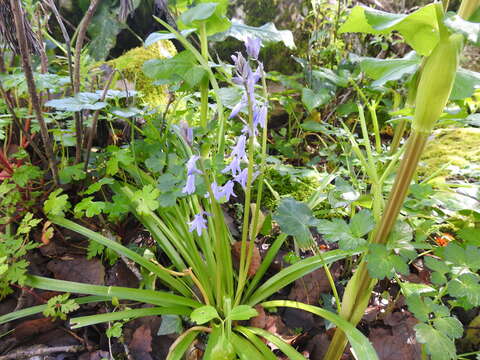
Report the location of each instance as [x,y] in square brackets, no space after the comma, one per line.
[419,29]
[382,70]
[312,99]
[157,36]
[466,82]
[198,13]
[471,30]
[268,33]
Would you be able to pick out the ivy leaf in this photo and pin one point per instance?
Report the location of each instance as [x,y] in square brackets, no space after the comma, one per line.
[295,218]
[56,204]
[419,29]
[362,223]
[204,314]
[438,345]
[466,285]
[381,263]
[242,312]
[147,199]
[171,324]
[449,326]
[74,172]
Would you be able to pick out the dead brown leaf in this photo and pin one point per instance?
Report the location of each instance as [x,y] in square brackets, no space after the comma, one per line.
[256,258]
[78,269]
[141,343]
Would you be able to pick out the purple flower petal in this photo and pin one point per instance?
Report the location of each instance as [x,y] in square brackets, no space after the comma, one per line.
[198,224]
[253,47]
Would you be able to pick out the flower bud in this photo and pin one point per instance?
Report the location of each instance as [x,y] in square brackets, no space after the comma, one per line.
[436,82]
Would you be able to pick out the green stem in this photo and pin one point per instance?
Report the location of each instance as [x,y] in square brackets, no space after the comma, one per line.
[205,83]
[243,268]
[358,291]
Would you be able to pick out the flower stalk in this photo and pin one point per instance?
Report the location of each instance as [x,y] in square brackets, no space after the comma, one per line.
[434,88]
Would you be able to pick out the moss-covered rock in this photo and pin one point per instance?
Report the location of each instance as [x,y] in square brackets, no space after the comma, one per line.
[130,66]
[456,146]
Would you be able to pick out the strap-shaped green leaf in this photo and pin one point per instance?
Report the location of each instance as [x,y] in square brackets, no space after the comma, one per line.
[82,321]
[361,345]
[160,298]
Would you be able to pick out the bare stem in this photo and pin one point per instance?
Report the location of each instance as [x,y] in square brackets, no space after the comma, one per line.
[27,68]
[82,32]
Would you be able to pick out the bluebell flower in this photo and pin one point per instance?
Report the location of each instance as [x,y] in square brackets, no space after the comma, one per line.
[192,166]
[233,167]
[199,223]
[241,178]
[217,191]
[260,116]
[239,149]
[228,190]
[253,47]
[189,187]
[186,132]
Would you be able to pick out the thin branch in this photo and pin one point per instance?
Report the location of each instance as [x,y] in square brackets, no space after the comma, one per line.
[27,68]
[76,75]
[17,122]
[66,38]
[36,351]
[93,130]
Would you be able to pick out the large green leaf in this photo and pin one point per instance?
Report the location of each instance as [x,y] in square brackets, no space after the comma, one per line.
[470,30]
[295,218]
[103,31]
[268,33]
[361,345]
[79,102]
[209,13]
[419,29]
[383,70]
[466,83]
[313,99]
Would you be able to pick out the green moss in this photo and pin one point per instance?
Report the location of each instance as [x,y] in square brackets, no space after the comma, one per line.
[299,188]
[458,146]
[130,65]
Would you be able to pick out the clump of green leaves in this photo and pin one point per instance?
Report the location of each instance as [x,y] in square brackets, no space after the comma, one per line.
[59,306]
[13,248]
